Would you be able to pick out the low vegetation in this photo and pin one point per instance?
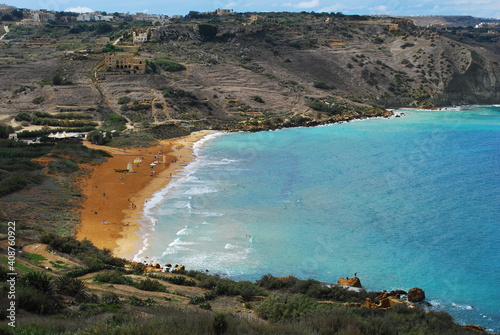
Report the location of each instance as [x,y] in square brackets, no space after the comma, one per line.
[284,303]
[18,170]
[166,65]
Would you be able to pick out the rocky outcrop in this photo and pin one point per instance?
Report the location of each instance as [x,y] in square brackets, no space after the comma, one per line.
[475,328]
[353,282]
[385,303]
[416,295]
[476,82]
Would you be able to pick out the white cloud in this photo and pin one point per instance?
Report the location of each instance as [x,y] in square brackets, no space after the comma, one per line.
[381,8]
[308,4]
[303,4]
[332,8]
[79,9]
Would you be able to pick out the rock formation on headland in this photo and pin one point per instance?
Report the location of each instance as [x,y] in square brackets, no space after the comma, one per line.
[353,282]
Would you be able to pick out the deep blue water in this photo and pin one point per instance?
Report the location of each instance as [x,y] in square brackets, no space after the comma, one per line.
[404,202]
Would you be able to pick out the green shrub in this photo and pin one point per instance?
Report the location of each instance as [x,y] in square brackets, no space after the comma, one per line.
[5,130]
[114,122]
[177,280]
[258,98]
[137,107]
[114,277]
[220,324]
[196,300]
[39,281]
[272,283]
[169,65]
[72,287]
[38,100]
[211,295]
[205,305]
[285,308]
[323,85]
[124,100]
[207,31]
[82,271]
[134,301]
[23,116]
[63,165]
[110,298]
[35,301]
[407,44]
[98,137]
[70,245]
[150,285]
[110,47]
[16,181]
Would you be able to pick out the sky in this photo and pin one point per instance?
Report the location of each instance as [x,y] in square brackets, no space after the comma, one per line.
[478,8]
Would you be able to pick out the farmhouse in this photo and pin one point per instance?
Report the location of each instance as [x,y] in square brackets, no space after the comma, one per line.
[123,61]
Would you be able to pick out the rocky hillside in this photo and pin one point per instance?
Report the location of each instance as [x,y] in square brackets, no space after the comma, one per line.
[248,71]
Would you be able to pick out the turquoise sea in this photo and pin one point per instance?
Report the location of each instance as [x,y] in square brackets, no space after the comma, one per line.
[410,201]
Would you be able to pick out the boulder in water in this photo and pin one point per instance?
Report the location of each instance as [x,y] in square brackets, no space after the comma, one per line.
[416,295]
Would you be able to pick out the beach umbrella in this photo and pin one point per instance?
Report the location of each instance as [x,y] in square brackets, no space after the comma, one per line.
[137,161]
[129,167]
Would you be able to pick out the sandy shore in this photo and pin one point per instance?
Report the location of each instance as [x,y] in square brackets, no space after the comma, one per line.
[114,201]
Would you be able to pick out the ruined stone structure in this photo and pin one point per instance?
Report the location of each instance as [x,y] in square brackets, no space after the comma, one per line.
[123,61]
[140,37]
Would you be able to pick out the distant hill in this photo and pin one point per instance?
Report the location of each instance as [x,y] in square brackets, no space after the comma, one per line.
[244,70]
[449,21]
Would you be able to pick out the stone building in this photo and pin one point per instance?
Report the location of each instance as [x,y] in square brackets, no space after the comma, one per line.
[223,12]
[140,37]
[123,61]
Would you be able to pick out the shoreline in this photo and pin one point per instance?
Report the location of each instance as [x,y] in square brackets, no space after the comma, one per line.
[114,224]
[114,201]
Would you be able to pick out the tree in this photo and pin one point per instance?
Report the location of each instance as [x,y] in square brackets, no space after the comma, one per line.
[110,47]
[194,14]
[7,17]
[103,27]
[56,79]
[5,130]
[207,31]
[17,13]
[98,137]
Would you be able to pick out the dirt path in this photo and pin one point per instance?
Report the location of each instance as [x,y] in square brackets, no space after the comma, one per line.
[6,28]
